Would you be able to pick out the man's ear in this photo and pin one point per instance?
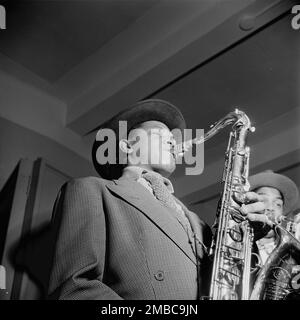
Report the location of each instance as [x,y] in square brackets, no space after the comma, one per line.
[125,146]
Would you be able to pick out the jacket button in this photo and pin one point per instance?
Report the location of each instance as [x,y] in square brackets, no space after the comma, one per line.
[159,275]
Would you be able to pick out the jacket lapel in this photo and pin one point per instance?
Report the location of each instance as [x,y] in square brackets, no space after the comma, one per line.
[198,229]
[139,197]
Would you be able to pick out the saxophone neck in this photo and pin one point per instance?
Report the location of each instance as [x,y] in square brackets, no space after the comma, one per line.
[236,118]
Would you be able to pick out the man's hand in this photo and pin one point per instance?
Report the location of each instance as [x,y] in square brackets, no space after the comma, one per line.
[297,226]
[254,208]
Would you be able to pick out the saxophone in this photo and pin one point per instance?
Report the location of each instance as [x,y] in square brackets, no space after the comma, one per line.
[279,277]
[233,237]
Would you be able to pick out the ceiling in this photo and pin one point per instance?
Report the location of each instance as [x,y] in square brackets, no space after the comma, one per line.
[49,38]
[259,75]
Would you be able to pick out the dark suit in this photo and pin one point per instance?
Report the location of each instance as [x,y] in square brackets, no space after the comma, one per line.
[116,241]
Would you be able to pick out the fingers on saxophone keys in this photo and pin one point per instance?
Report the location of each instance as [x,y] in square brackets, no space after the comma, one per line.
[258,217]
[253,207]
[253,197]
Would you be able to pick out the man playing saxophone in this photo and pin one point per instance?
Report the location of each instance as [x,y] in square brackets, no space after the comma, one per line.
[124,235]
[275,239]
[280,195]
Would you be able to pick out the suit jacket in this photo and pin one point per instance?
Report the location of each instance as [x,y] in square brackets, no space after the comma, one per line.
[114,240]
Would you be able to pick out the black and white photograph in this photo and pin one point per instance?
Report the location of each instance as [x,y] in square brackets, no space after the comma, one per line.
[150,150]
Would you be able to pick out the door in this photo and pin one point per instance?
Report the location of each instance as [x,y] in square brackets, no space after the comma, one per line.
[27,250]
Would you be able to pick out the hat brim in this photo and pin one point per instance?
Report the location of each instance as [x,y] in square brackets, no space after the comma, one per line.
[146,110]
[280,182]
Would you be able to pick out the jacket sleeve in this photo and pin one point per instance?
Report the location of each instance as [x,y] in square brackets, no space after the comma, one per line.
[80,233]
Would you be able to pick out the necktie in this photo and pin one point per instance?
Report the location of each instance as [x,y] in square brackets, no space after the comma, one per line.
[162,193]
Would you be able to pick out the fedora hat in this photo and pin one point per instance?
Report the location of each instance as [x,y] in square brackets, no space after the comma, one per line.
[280,182]
[145,110]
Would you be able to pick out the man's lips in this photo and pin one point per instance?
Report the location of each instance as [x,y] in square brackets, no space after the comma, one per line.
[172,152]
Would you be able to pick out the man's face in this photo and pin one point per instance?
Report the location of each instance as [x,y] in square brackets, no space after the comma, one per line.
[155,147]
[273,201]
